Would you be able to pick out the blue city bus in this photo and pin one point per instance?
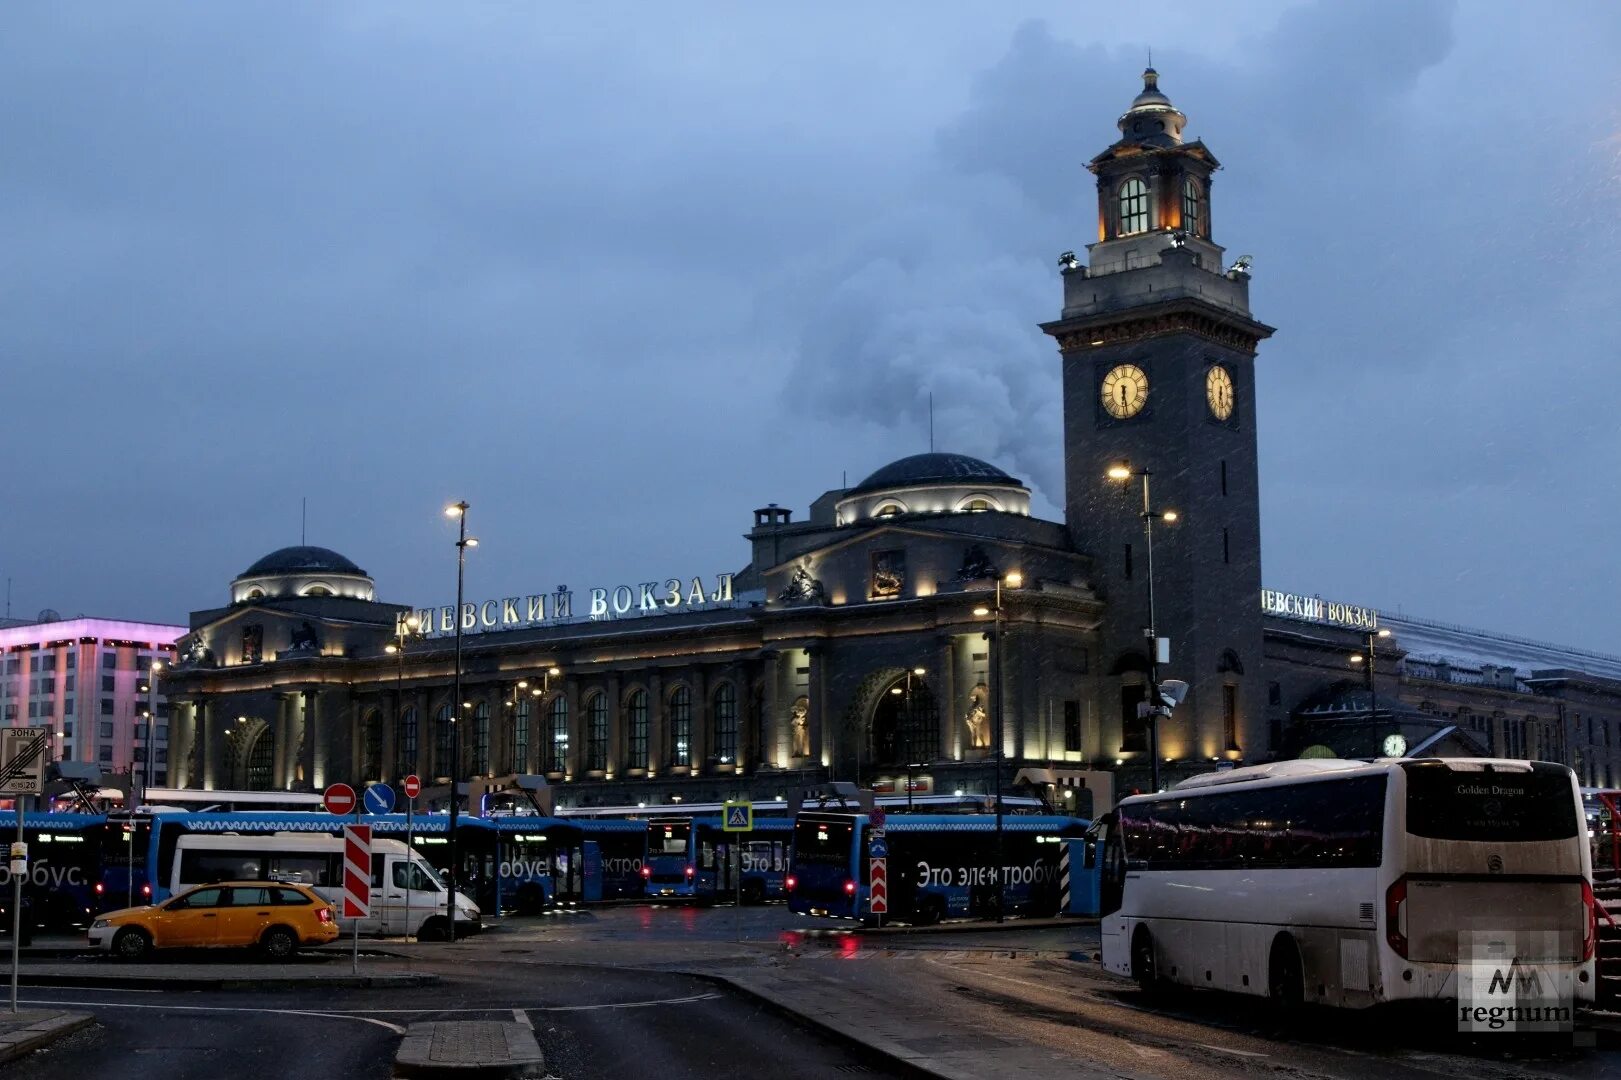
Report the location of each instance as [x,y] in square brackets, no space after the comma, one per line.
[693,859]
[63,868]
[937,866]
[540,862]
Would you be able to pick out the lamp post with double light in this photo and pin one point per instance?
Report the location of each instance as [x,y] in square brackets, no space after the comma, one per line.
[405,631]
[909,726]
[463,542]
[150,719]
[539,694]
[1151,708]
[1365,661]
[1013,580]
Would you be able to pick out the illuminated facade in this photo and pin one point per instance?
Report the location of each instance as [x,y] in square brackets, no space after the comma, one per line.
[90,681]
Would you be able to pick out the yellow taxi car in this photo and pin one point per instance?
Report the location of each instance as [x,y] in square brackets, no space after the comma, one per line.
[277,917]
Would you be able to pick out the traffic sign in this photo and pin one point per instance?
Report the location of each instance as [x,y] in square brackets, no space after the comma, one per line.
[22,759]
[339,799]
[878,882]
[412,785]
[379,799]
[876,818]
[356,871]
[738,817]
[878,847]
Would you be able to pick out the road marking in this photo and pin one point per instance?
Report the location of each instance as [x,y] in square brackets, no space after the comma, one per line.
[395,1028]
[628,1004]
[522,1018]
[1230,1050]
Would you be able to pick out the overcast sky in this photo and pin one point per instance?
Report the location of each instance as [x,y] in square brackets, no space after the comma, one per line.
[617,275]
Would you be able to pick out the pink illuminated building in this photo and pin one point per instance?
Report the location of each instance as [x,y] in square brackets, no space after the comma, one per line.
[91,681]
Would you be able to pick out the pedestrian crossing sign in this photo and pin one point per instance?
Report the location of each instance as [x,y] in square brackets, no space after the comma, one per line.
[738,817]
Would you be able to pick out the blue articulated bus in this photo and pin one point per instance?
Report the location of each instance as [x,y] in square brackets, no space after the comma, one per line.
[694,859]
[63,868]
[542,862]
[937,866]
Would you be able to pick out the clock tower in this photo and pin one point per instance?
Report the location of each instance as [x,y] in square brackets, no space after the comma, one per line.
[1158,353]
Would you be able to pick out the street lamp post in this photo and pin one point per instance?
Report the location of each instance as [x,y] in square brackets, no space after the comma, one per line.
[1014,579]
[1366,659]
[463,542]
[911,729]
[538,729]
[151,716]
[1122,472]
[403,633]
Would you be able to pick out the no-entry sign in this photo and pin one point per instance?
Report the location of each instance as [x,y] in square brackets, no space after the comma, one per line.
[339,799]
[412,786]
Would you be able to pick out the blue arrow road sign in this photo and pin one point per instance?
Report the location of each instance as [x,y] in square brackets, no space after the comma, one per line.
[878,848]
[379,799]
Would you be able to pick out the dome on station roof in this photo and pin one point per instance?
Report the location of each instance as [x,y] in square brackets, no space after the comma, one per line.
[923,469]
[303,559]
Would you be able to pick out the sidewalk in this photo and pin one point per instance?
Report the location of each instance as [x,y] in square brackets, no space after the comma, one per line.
[219,976]
[29,1030]
[480,1048]
[920,1039]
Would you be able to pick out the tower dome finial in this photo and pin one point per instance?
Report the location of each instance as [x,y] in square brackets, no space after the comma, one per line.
[1152,120]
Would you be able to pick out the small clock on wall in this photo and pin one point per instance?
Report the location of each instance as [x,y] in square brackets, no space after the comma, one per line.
[1218,392]
[1124,391]
[1395,746]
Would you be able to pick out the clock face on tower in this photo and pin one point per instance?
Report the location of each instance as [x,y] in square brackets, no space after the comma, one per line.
[1218,392]
[1124,391]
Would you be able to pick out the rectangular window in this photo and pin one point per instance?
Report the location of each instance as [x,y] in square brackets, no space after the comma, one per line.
[1448,804]
[1274,693]
[11,711]
[33,710]
[73,659]
[47,662]
[163,734]
[1229,716]
[143,662]
[140,753]
[1128,562]
[105,755]
[106,706]
[67,729]
[67,707]
[33,663]
[1072,727]
[68,684]
[1226,548]
[107,684]
[1224,477]
[13,665]
[109,660]
[106,729]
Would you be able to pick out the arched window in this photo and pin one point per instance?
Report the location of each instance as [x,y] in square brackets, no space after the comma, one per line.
[1133,207]
[371,746]
[256,594]
[890,509]
[261,762]
[481,738]
[596,733]
[318,590]
[520,735]
[726,724]
[1193,207]
[557,746]
[405,743]
[636,724]
[681,726]
[441,742]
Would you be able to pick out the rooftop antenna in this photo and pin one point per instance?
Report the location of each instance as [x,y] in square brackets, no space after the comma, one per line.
[303,518]
[931,421]
[8,597]
[1151,56]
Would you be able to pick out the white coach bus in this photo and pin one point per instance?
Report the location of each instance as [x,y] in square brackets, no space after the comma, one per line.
[1349,883]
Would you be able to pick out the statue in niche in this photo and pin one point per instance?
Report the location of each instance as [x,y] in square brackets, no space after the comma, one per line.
[802,587]
[196,652]
[976,565]
[978,720]
[253,643]
[888,574]
[304,638]
[799,726]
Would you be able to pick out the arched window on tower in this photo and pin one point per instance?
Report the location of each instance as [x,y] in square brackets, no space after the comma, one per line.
[1133,207]
[681,726]
[1193,207]
[520,735]
[405,743]
[481,738]
[441,742]
[596,733]
[557,743]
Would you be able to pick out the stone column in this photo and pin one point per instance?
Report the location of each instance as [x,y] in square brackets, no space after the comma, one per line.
[182,737]
[278,743]
[312,736]
[775,748]
[823,744]
[212,749]
[952,711]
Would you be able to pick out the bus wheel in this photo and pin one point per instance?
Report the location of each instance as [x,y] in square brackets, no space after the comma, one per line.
[929,911]
[1144,969]
[531,900]
[131,944]
[753,892]
[1285,984]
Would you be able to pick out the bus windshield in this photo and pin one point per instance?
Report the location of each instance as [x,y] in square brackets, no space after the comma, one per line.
[824,842]
[1508,804]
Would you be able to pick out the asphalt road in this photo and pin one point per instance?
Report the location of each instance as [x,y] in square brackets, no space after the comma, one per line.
[590,1022]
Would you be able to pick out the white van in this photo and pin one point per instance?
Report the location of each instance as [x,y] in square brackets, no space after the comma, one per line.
[407,895]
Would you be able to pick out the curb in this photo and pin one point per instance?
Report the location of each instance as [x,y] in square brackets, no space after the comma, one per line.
[964,927]
[23,1041]
[906,1065]
[230,982]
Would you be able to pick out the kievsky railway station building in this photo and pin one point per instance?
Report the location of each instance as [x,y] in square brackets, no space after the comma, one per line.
[897,631]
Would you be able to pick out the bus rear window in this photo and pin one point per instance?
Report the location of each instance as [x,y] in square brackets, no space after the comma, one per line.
[823,841]
[1498,805]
